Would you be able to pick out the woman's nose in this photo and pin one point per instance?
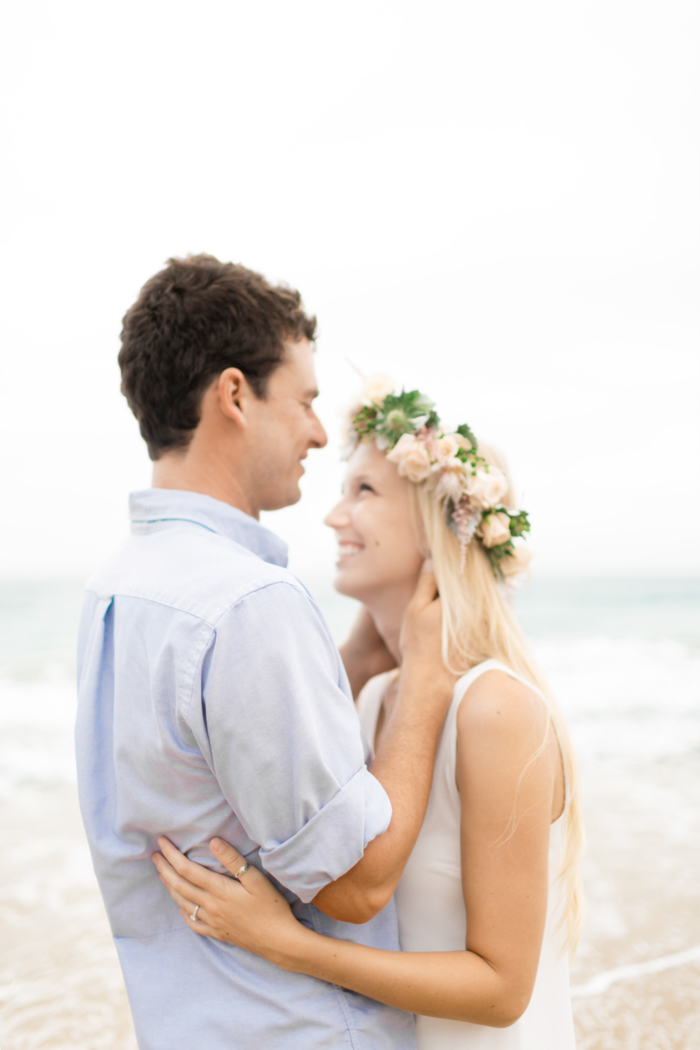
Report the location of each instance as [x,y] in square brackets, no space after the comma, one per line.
[338,517]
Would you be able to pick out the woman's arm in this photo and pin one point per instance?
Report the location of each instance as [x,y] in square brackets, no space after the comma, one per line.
[403,764]
[507,808]
[253,915]
[511,784]
[364,653]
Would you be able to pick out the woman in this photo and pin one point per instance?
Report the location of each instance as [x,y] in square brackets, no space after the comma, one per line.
[489,900]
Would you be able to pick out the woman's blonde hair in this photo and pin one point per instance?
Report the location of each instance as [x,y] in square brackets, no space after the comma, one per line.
[478,625]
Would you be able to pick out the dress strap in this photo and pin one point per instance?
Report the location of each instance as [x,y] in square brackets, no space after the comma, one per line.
[369,704]
[450,729]
[519,678]
[447,757]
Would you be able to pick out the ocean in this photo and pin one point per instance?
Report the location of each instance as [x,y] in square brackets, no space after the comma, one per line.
[623,659]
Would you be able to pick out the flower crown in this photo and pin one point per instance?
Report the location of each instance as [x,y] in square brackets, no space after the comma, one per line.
[469,488]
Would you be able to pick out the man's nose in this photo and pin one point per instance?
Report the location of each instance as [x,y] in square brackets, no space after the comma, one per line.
[319,437]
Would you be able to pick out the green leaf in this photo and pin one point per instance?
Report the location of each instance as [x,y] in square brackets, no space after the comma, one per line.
[497,554]
[519,522]
[365,420]
[403,413]
[433,420]
[467,433]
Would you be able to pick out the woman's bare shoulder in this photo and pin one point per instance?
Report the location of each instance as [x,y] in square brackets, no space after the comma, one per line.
[496,703]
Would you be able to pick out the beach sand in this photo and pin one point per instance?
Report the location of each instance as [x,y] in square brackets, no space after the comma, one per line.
[642,876]
[61,987]
[60,981]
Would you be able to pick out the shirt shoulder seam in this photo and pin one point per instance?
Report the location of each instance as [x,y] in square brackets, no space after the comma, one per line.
[293,585]
[210,621]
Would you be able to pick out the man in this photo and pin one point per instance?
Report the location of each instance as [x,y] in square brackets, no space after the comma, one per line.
[212,700]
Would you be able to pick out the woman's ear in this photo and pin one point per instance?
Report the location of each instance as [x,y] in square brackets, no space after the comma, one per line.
[234,395]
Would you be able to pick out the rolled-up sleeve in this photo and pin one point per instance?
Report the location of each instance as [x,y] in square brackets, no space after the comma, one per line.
[285,740]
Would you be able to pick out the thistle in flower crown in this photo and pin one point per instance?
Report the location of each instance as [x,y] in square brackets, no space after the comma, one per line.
[469,488]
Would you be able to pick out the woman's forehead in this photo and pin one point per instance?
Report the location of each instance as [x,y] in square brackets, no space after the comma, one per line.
[368,461]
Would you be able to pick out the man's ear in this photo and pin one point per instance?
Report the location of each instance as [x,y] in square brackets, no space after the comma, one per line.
[234,395]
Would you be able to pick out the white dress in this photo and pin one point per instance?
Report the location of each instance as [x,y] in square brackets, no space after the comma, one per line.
[431,910]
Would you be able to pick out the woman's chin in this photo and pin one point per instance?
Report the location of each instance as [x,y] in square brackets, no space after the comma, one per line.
[344,583]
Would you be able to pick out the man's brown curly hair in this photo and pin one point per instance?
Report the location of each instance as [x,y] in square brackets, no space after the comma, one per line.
[191,321]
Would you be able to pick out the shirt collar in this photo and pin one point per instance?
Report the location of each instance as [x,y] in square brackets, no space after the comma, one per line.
[153,505]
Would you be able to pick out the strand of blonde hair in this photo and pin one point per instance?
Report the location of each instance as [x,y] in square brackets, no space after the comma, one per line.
[479,625]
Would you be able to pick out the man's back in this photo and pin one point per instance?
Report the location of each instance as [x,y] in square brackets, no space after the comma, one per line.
[213,702]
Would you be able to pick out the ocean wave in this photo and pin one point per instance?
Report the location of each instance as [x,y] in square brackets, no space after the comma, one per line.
[626,700]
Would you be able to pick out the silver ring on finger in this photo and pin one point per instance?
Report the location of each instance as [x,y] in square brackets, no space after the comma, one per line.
[242,870]
[193,916]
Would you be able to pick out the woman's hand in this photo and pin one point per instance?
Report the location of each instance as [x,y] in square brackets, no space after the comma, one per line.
[421,639]
[248,912]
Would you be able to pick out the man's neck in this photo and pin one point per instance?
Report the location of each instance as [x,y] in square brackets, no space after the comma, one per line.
[185,470]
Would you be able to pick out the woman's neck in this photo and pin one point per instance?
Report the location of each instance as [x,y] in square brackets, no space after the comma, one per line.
[387,609]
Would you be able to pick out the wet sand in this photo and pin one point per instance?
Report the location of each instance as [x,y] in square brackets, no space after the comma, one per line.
[61,987]
[642,876]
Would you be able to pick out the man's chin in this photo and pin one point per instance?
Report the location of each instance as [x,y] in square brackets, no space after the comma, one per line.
[278,500]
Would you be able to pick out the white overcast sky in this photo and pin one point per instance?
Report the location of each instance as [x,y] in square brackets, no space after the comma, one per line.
[498,203]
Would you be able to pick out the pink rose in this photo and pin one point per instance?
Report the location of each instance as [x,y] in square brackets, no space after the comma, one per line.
[411,457]
[485,488]
[495,529]
[517,563]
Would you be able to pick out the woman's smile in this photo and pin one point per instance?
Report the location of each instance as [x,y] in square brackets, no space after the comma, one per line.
[373,519]
[347,549]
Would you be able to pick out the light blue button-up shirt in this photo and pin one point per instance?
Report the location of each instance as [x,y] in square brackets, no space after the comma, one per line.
[213,701]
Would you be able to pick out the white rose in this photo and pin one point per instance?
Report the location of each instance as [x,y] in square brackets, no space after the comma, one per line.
[495,529]
[485,488]
[516,564]
[376,388]
[411,457]
[446,446]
